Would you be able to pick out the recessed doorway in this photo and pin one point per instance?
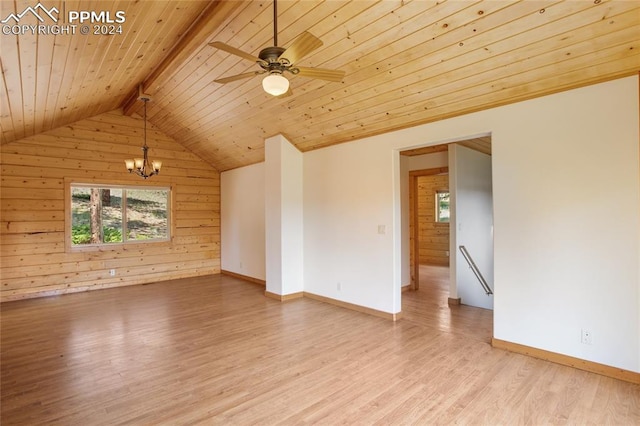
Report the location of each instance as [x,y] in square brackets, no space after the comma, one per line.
[426,213]
[428,220]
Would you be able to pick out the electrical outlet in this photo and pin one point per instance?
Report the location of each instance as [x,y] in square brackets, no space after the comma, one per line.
[586,337]
[112,272]
[339,287]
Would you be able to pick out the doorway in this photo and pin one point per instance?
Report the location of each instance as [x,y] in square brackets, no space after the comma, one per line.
[428,220]
[433,161]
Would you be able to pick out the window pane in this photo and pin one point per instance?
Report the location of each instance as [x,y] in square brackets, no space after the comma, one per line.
[80,219]
[96,215]
[147,214]
[111,215]
[442,207]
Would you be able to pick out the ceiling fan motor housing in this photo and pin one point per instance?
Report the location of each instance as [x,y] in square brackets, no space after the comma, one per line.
[271,54]
[271,59]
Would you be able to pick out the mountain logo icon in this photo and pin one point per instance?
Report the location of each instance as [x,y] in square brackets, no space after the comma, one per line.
[38,11]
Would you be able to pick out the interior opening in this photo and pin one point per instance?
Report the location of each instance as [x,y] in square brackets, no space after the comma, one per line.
[433,279]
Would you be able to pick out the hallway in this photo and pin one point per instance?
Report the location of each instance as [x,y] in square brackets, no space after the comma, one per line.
[428,307]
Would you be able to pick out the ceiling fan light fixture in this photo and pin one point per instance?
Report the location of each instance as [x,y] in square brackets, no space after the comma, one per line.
[275,84]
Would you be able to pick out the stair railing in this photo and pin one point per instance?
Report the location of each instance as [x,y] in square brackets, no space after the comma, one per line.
[476,271]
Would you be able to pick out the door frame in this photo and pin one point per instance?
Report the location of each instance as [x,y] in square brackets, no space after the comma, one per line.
[414,243]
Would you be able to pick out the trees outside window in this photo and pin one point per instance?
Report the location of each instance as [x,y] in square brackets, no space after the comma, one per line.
[442,206]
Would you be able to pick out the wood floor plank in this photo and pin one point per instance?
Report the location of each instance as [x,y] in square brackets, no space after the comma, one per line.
[214,350]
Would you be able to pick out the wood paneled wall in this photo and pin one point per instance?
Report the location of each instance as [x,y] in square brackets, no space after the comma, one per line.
[433,237]
[34,171]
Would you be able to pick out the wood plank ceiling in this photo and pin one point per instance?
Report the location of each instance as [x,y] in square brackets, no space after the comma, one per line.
[406,62]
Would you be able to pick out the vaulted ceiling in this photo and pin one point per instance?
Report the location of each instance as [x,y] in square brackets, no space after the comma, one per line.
[406,62]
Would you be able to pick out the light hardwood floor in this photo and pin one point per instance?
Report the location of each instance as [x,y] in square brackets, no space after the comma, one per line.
[214,350]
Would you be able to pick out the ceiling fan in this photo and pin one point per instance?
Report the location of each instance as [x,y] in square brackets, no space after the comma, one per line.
[275,61]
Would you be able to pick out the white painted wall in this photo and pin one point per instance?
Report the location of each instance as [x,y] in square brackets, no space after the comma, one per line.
[283,216]
[348,195]
[408,164]
[566,207]
[471,224]
[566,218]
[242,221]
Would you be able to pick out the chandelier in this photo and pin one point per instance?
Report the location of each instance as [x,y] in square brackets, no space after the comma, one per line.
[142,166]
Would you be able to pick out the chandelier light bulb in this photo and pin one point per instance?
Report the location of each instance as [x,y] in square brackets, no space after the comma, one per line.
[129,164]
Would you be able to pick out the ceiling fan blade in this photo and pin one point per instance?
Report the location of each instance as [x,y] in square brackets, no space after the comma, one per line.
[321,73]
[237,77]
[230,49]
[301,47]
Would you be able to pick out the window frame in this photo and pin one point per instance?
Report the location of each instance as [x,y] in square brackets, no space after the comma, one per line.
[70,247]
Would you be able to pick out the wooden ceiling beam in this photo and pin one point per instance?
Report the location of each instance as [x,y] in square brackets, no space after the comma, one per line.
[213,15]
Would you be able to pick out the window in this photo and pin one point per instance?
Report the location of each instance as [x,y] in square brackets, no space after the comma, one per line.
[105,214]
[442,206]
